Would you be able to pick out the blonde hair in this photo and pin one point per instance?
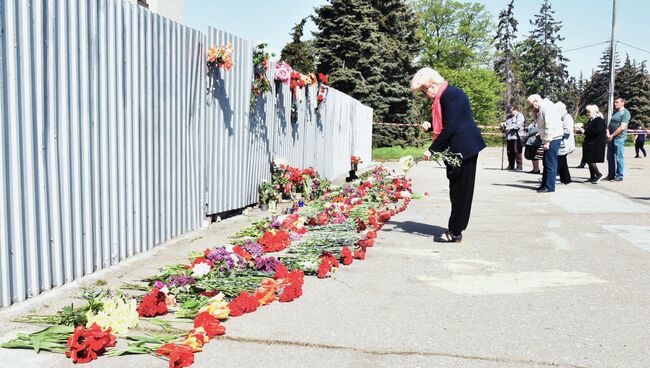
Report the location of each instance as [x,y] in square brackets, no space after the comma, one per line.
[594,110]
[425,77]
[533,98]
[561,107]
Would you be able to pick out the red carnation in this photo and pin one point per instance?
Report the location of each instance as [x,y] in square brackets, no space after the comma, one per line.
[245,302]
[242,253]
[384,216]
[281,272]
[210,324]
[371,235]
[327,264]
[153,304]
[179,355]
[86,344]
[274,241]
[366,243]
[346,256]
[360,255]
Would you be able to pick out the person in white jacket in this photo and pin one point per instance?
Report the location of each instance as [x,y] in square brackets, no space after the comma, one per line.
[549,123]
[567,145]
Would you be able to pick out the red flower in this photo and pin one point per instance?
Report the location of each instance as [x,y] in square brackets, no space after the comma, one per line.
[346,256]
[245,302]
[281,272]
[274,241]
[361,225]
[323,78]
[323,218]
[86,344]
[242,253]
[321,98]
[210,324]
[371,235]
[384,216]
[265,293]
[360,255]
[290,286]
[153,304]
[327,264]
[366,243]
[179,355]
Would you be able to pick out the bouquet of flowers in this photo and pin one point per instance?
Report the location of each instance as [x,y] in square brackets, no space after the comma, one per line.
[260,64]
[282,72]
[220,57]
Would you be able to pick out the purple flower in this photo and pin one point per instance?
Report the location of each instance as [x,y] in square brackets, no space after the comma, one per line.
[179,280]
[220,255]
[159,284]
[268,264]
[254,249]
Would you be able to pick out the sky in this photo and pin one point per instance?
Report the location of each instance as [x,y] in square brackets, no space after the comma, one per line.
[584,23]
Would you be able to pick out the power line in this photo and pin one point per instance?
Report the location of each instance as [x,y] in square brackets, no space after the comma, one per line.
[634,47]
[584,47]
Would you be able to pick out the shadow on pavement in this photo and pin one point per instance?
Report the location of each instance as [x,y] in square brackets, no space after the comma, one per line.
[416,228]
[516,186]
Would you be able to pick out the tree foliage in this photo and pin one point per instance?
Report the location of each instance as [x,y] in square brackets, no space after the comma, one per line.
[367,48]
[505,60]
[299,54]
[542,64]
[455,34]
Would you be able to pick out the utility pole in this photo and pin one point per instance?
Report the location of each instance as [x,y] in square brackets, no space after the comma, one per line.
[612,70]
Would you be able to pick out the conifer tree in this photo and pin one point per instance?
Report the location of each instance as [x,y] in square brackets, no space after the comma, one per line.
[545,65]
[347,45]
[505,46]
[367,48]
[299,54]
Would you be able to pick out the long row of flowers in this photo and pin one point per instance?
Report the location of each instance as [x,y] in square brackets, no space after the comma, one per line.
[264,263]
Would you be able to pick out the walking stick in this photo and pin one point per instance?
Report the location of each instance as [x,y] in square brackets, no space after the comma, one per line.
[503,145]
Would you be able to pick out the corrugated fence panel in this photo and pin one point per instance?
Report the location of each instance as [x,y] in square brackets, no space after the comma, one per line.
[113,138]
[228,128]
[101,110]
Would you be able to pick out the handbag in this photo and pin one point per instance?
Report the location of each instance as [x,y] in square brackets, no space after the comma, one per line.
[532,145]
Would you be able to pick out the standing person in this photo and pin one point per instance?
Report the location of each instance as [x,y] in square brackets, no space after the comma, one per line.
[616,135]
[453,128]
[593,146]
[567,145]
[514,129]
[549,123]
[639,140]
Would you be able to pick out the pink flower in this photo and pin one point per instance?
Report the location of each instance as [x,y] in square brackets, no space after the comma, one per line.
[282,72]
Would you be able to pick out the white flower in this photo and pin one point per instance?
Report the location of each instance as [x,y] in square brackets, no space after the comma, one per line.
[165,290]
[200,269]
[407,163]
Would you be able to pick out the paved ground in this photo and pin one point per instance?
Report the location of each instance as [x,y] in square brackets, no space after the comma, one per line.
[540,280]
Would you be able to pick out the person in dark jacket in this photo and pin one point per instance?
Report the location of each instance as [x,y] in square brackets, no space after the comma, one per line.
[593,146]
[453,128]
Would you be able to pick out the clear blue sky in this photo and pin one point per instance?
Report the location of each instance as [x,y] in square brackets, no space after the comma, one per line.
[585,22]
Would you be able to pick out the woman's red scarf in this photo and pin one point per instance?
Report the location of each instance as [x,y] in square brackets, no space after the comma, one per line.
[436,110]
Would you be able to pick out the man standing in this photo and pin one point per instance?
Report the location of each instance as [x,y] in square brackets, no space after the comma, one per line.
[513,129]
[616,135]
[549,123]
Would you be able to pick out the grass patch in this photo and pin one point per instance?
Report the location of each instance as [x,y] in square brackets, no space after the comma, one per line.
[395,153]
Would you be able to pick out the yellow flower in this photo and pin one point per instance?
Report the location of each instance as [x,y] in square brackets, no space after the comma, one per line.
[118,314]
[196,339]
[217,307]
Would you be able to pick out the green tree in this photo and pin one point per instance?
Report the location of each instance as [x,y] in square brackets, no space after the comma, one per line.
[597,88]
[505,56]
[347,46]
[455,35]
[399,46]
[633,84]
[367,48]
[299,54]
[542,59]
